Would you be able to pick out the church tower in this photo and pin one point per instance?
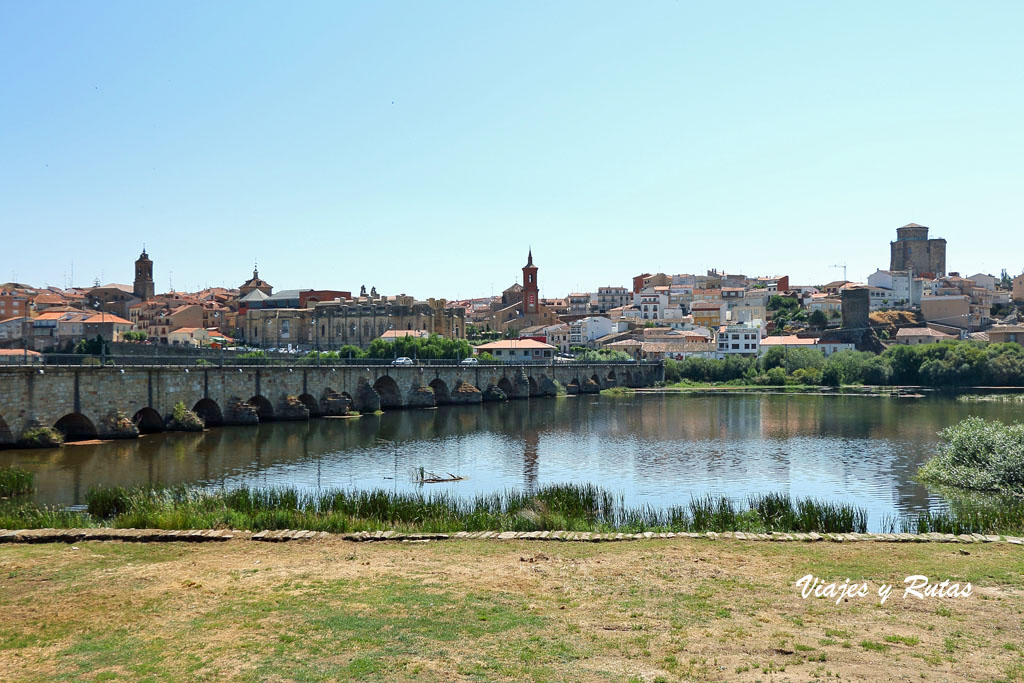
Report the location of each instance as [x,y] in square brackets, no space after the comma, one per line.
[144,287]
[530,292]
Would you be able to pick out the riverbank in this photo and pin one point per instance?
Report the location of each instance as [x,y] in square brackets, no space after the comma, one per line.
[969,394]
[330,609]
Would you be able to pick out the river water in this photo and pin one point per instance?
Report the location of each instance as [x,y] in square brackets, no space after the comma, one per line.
[658,449]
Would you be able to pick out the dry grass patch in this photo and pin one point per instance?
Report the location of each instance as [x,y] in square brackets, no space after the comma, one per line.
[673,610]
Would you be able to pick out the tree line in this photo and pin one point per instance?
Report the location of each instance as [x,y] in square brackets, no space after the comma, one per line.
[946,364]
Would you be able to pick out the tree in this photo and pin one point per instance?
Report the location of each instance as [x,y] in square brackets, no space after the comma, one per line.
[818,319]
[832,375]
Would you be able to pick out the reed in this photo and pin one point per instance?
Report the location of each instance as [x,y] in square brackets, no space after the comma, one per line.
[30,516]
[14,480]
[570,507]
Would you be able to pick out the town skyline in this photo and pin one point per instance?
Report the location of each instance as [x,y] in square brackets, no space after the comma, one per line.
[164,277]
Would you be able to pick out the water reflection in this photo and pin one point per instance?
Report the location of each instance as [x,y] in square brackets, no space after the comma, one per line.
[654,449]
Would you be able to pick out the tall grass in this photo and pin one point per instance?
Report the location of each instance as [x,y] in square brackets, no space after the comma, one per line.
[967,515]
[14,480]
[30,516]
[570,507]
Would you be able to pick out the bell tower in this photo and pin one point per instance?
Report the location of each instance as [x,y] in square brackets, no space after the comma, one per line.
[144,287]
[530,291]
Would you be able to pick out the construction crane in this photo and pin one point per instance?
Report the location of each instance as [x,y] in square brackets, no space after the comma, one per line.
[843,266]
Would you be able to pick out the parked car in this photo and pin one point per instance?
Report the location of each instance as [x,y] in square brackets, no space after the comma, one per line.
[404,360]
[469,361]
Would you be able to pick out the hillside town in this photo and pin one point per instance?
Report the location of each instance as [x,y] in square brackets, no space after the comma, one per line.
[657,316]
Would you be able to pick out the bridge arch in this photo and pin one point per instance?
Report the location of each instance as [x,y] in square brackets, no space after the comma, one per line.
[312,405]
[148,421]
[505,384]
[597,380]
[264,408]
[534,387]
[390,394]
[76,427]
[442,395]
[629,378]
[573,387]
[208,409]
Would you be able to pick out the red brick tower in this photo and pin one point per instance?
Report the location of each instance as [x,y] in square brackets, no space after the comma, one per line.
[530,292]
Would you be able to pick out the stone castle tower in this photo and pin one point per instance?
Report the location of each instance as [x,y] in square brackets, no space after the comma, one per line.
[144,287]
[912,250]
[530,292]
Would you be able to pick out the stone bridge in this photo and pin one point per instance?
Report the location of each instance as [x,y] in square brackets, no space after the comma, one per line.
[83,402]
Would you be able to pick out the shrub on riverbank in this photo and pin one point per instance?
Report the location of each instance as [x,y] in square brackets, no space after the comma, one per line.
[40,437]
[979,454]
[14,480]
[184,420]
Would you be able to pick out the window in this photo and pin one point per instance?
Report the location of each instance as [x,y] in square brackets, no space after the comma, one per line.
[736,346]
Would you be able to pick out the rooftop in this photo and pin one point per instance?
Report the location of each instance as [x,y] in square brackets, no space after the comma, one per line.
[921,332]
[514,344]
[789,340]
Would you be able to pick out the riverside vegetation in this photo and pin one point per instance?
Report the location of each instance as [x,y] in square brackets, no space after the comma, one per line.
[571,507]
[14,481]
[985,455]
[946,364]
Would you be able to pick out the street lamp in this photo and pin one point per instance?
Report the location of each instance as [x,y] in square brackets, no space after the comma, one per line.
[96,305]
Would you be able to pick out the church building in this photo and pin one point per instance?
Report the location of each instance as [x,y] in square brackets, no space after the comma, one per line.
[520,305]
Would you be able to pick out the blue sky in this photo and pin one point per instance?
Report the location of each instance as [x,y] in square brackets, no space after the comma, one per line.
[421,147]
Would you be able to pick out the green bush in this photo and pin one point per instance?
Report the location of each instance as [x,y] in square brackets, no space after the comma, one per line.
[602,356]
[40,437]
[979,454]
[810,376]
[184,420]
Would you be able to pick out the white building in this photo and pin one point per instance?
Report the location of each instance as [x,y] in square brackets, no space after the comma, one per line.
[987,281]
[585,331]
[791,341]
[742,338]
[651,304]
[906,291]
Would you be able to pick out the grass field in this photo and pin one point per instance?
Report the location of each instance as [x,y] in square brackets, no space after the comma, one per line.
[479,610]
